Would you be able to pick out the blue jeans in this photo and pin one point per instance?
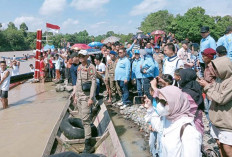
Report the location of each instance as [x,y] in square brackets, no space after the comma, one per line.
[139,83]
[98,86]
[125,92]
[146,87]
[152,143]
[207,106]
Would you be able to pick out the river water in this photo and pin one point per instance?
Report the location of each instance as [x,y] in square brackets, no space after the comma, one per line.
[131,139]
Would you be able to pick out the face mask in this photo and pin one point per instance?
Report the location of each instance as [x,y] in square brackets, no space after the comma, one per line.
[162,110]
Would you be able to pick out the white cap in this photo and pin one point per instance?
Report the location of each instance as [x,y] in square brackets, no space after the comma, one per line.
[83,52]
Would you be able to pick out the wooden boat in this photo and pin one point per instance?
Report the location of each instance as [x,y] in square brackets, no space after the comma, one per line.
[107,143]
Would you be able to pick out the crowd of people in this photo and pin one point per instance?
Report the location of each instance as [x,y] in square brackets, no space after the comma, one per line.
[178,81]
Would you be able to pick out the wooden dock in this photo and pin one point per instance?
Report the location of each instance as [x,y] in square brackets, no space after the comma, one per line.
[34,114]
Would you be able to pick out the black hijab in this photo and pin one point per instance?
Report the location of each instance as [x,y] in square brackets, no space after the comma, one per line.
[189,85]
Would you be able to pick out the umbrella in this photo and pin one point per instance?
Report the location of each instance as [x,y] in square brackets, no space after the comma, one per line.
[111,39]
[80,46]
[140,36]
[95,44]
[93,51]
[157,32]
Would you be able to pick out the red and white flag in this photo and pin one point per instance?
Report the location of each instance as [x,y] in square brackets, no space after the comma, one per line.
[53,28]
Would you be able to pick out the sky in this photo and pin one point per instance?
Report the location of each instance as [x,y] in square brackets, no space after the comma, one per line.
[98,16]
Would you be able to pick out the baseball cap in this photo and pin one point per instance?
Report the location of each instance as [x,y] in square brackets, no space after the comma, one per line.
[221,50]
[204,29]
[209,52]
[136,52]
[113,53]
[83,52]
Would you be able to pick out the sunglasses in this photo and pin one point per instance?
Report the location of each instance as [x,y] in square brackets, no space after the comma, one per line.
[162,101]
[120,52]
[81,56]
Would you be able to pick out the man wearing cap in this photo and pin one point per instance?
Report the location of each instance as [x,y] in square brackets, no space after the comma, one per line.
[206,42]
[158,57]
[221,40]
[185,55]
[228,42]
[109,78]
[136,72]
[209,74]
[122,76]
[85,94]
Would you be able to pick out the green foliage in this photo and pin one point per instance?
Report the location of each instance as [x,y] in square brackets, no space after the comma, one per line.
[187,25]
[158,20]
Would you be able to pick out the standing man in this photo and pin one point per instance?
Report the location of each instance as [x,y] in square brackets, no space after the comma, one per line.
[73,71]
[206,42]
[228,42]
[4,84]
[172,62]
[85,94]
[122,76]
[148,68]
[136,72]
[109,78]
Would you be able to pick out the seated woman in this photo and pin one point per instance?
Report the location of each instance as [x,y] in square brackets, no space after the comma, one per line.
[193,90]
[179,136]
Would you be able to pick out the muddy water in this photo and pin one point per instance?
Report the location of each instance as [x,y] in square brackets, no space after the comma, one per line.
[27,124]
[133,143]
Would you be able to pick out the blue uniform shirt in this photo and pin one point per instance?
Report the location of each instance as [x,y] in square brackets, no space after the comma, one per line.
[228,45]
[221,41]
[122,70]
[207,42]
[149,65]
[136,70]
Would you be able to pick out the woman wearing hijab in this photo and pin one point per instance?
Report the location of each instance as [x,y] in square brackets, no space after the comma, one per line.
[193,91]
[179,136]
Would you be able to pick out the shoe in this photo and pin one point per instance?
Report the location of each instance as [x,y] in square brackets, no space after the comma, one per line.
[123,107]
[120,103]
[88,148]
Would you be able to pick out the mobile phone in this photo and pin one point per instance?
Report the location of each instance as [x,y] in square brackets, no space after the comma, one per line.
[139,100]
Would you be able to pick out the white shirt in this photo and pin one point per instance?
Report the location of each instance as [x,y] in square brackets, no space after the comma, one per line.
[6,83]
[188,146]
[32,70]
[170,65]
[101,67]
[15,70]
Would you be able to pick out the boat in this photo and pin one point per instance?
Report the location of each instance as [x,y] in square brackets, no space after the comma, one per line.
[107,142]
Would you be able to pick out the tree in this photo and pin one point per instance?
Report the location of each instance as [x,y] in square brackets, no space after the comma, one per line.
[110,33]
[158,20]
[11,25]
[0,25]
[23,27]
[188,25]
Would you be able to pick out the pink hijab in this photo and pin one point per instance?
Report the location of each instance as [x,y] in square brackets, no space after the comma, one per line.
[178,103]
